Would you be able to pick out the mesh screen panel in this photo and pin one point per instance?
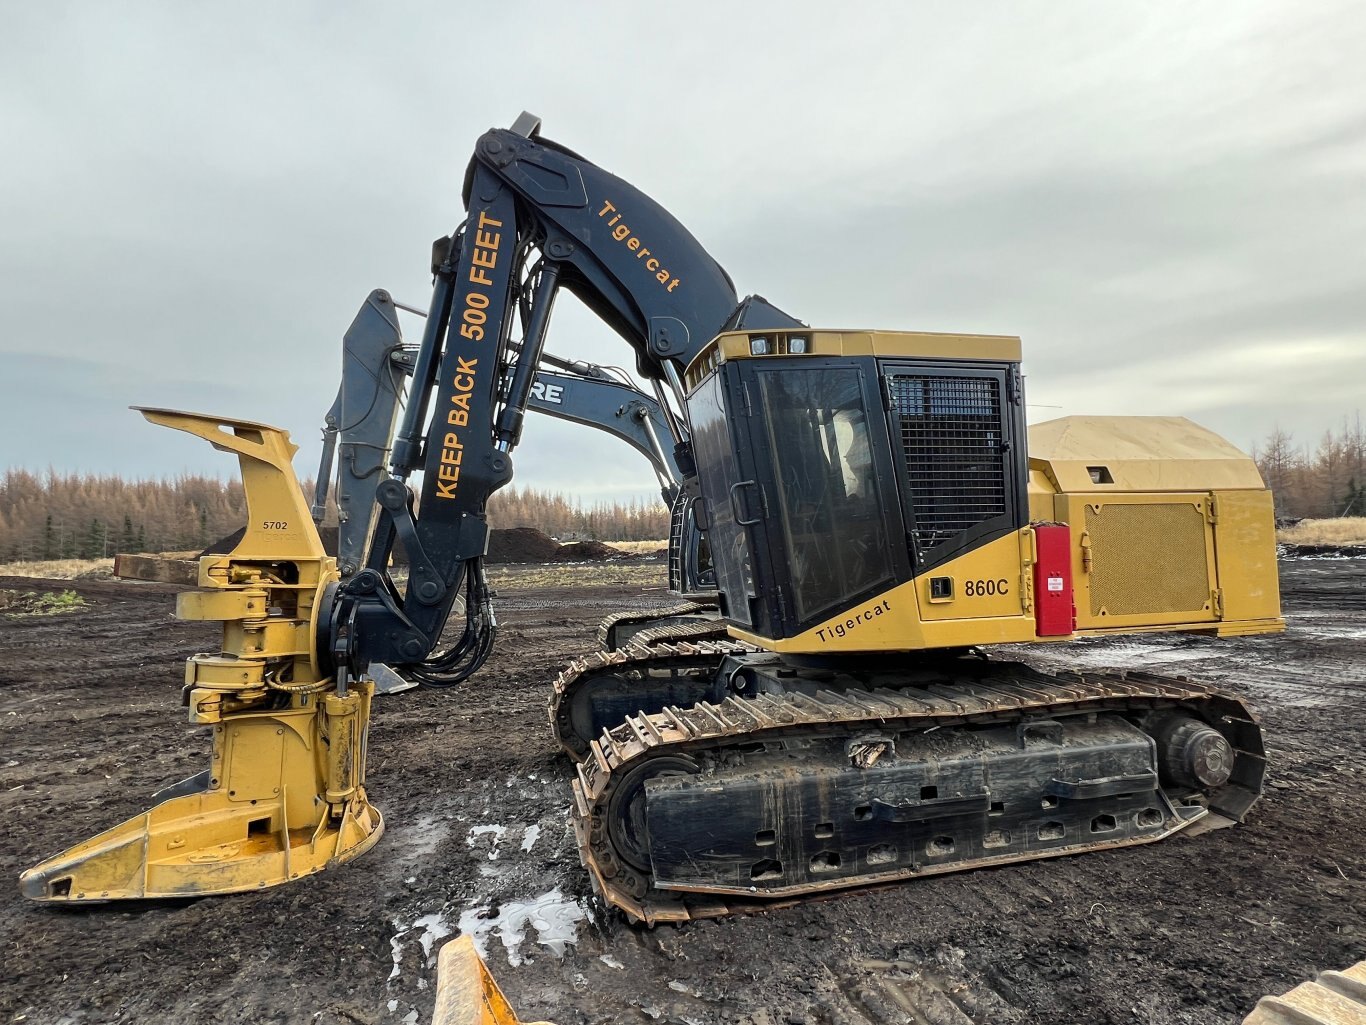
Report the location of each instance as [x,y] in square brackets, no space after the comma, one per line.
[951,432]
[1147,559]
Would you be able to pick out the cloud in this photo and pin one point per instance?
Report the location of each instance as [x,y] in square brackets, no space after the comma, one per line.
[1162,200]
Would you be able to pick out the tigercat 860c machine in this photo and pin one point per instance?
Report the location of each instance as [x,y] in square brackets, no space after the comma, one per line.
[875,515]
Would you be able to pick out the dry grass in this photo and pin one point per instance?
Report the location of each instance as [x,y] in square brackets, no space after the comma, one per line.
[59,569]
[585,574]
[509,577]
[639,547]
[1345,530]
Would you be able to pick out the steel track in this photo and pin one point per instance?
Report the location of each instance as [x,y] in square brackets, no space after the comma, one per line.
[608,623]
[1012,691]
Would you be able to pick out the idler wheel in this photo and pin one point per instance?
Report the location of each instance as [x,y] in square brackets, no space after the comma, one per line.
[605,699]
[626,825]
[585,720]
[1193,753]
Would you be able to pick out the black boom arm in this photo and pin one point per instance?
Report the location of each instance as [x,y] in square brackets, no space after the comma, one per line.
[539,218]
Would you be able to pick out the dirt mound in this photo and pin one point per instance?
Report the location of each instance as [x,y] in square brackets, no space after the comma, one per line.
[522,544]
[224,545]
[227,543]
[516,544]
[527,544]
[588,551]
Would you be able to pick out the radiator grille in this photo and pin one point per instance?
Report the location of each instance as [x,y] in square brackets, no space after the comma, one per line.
[1148,559]
[951,442]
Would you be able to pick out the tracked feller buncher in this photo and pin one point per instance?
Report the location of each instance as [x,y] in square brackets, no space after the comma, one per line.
[876,515]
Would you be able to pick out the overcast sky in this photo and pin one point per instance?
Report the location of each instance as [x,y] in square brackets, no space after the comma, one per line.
[1167,201]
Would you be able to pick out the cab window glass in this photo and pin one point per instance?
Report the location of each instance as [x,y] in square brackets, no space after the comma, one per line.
[829,501]
[717,469]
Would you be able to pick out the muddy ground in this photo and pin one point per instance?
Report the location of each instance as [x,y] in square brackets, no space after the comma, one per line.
[1191,930]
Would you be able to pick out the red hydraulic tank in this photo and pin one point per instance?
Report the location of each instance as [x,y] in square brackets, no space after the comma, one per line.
[1055,613]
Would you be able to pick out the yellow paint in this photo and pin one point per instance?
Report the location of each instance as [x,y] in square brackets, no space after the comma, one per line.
[466,993]
[910,621]
[279,523]
[1151,559]
[885,344]
[1140,453]
[1202,562]
[1245,545]
[1197,546]
[285,792]
[988,582]
[1041,492]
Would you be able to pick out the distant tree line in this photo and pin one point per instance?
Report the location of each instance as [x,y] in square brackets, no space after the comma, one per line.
[85,516]
[1318,482]
[567,519]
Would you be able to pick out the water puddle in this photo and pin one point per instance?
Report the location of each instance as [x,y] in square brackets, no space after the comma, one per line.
[552,917]
[1163,656]
[396,950]
[495,834]
[434,928]
[1123,656]
[420,837]
[1333,633]
[426,930]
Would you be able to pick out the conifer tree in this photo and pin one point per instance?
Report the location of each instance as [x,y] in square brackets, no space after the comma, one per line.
[1354,501]
[90,543]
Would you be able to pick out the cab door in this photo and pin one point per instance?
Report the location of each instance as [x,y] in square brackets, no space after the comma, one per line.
[821,503]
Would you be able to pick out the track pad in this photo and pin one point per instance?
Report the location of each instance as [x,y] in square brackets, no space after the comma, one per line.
[804,816]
